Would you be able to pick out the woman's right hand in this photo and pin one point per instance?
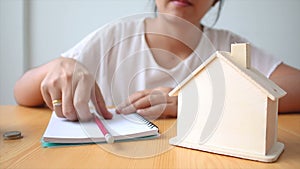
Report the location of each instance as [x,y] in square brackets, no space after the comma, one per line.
[69,81]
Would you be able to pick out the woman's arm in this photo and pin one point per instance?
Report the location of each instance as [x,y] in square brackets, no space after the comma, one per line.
[27,89]
[288,78]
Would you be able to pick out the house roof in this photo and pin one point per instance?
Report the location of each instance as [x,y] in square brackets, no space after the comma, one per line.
[272,90]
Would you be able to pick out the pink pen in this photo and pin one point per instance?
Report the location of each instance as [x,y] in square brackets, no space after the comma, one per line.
[108,137]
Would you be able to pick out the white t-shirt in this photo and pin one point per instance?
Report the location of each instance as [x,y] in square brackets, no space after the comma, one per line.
[122,63]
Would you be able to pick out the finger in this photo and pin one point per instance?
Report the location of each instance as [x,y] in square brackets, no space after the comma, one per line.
[50,94]
[127,110]
[52,98]
[68,109]
[99,103]
[159,111]
[57,103]
[46,95]
[153,98]
[82,96]
[141,103]
[158,97]
[153,112]
[163,89]
[133,98]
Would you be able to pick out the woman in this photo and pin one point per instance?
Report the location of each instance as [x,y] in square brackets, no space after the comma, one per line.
[137,62]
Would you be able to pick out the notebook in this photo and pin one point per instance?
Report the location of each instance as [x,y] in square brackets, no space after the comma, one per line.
[61,132]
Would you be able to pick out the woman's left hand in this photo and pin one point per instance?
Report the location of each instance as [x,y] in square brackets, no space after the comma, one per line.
[150,103]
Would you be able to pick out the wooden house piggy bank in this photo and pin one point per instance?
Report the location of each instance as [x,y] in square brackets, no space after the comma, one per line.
[227,107]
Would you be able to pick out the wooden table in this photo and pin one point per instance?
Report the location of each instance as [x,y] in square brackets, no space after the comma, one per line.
[28,153]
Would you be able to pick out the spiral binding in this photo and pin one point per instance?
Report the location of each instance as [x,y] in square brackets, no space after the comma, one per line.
[148,123]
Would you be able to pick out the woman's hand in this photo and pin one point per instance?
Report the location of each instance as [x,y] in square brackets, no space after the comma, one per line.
[69,82]
[151,104]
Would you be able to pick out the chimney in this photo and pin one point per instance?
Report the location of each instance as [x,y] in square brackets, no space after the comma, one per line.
[240,53]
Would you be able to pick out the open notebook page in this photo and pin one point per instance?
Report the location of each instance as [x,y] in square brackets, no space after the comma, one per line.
[122,127]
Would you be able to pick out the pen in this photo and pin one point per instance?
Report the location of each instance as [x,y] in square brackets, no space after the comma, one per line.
[108,137]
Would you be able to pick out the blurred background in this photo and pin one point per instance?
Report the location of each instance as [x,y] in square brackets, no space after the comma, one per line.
[33,32]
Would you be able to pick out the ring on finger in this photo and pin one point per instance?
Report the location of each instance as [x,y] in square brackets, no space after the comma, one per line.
[56,102]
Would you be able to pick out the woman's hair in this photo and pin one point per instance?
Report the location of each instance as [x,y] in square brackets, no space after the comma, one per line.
[218,14]
[219,10]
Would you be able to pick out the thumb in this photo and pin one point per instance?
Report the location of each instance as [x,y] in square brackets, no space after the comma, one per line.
[99,103]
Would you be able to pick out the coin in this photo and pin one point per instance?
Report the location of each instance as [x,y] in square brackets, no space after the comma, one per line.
[12,135]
